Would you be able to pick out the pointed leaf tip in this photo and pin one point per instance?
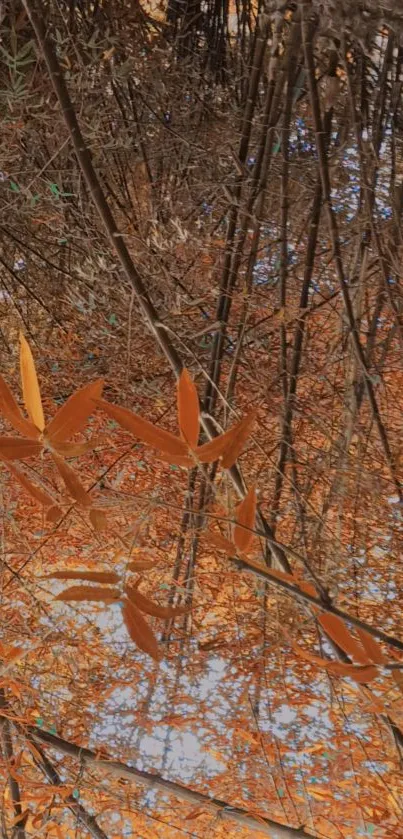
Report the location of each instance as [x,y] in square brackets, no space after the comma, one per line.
[246,516]
[188,409]
[30,386]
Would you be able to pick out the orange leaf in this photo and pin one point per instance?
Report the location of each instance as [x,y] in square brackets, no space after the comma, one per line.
[220,542]
[146,431]
[53,514]
[16,448]
[336,629]
[240,434]
[188,409]
[179,460]
[30,387]
[154,609]
[372,646]
[140,565]
[95,593]
[139,630]
[73,415]
[90,576]
[227,445]
[36,492]
[12,413]
[72,482]
[98,519]
[75,449]
[246,516]
[359,674]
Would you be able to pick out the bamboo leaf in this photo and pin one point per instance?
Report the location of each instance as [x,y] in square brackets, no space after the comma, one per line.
[35,491]
[140,565]
[30,386]
[237,442]
[188,409]
[90,576]
[184,461]
[154,609]
[73,415]
[75,449]
[336,629]
[371,646]
[360,674]
[10,410]
[246,516]
[220,542]
[144,430]
[98,519]
[139,630]
[228,445]
[16,448]
[72,482]
[53,514]
[90,593]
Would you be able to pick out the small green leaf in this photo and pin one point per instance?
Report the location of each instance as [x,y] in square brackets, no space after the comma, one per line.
[76,793]
[14,186]
[62,241]
[55,190]
[112,320]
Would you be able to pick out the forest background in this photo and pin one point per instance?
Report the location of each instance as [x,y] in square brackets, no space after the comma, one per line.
[214,188]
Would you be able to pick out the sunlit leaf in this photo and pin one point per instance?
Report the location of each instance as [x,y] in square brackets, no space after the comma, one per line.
[16,448]
[246,515]
[30,386]
[90,593]
[72,482]
[73,415]
[90,576]
[139,630]
[10,410]
[144,430]
[154,609]
[188,409]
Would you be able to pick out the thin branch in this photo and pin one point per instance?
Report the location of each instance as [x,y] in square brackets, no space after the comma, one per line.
[7,749]
[48,769]
[116,768]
